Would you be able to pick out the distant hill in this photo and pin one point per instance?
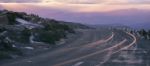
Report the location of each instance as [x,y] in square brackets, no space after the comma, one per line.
[139,26]
[76,25]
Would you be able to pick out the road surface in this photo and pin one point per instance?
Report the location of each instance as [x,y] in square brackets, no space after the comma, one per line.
[94,47]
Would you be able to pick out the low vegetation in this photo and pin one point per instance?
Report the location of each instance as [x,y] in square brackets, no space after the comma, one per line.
[13,32]
[145,34]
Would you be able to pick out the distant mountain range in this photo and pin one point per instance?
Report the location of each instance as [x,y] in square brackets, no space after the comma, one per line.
[139,26]
[136,18]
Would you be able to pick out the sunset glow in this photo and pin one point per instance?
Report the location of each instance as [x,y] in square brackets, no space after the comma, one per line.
[77,7]
[80,1]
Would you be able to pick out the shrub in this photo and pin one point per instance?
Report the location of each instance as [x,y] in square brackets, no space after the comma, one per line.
[4,55]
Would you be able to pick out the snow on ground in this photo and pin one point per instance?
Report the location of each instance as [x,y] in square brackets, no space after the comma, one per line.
[34,42]
[22,21]
[27,24]
[30,48]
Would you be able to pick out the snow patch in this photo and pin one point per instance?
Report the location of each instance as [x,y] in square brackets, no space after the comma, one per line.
[3,33]
[13,45]
[31,39]
[30,48]
[27,24]
[22,21]
[34,42]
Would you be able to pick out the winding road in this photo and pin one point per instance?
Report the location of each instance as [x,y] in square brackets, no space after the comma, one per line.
[92,47]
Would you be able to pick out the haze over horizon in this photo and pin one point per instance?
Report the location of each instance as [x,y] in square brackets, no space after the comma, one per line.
[84,11]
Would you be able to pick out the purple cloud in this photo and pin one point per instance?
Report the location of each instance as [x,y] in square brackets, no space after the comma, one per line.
[19,1]
[81,1]
[125,16]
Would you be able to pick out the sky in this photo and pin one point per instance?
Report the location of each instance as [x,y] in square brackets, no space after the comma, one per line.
[84,11]
[86,5]
[79,1]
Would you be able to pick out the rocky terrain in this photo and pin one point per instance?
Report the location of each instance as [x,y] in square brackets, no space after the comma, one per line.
[20,32]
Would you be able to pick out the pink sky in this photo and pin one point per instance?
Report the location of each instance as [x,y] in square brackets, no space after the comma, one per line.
[102,7]
[85,11]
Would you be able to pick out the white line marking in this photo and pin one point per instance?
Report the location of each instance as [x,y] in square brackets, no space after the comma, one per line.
[78,64]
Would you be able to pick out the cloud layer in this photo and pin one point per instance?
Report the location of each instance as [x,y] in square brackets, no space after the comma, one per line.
[90,14]
[80,1]
[19,1]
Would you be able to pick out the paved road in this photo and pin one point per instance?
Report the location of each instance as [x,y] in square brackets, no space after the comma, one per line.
[93,48]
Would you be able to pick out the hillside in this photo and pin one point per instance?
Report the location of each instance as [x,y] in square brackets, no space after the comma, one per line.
[19,30]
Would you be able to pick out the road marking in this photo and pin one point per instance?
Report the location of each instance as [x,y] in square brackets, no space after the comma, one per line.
[29,61]
[89,55]
[78,64]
